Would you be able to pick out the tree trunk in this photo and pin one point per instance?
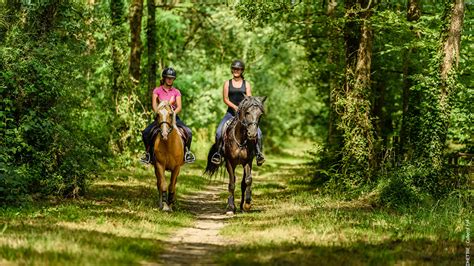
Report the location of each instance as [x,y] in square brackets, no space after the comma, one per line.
[436,108]
[334,88]
[451,43]
[136,13]
[116,13]
[151,42]
[403,151]
[358,158]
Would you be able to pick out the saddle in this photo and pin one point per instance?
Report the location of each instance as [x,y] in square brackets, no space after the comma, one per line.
[154,134]
[184,135]
[224,130]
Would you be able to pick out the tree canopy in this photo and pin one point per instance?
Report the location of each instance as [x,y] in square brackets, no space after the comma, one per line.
[384,88]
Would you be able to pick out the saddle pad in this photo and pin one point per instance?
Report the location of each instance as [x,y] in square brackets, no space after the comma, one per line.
[226,124]
[155,132]
[182,134]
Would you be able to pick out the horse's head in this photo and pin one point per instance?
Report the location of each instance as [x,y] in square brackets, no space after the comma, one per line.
[165,119]
[249,112]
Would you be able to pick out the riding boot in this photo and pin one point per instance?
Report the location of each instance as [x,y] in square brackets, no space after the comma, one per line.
[147,140]
[260,157]
[146,158]
[189,156]
[217,156]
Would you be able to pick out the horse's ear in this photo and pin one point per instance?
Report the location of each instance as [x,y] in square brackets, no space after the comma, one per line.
[162,102]
[262,99]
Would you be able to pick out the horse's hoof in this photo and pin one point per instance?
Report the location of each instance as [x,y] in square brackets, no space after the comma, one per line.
[247,207]
[166,208]
[229,213]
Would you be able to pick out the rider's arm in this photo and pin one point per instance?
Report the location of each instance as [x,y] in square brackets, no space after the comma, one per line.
[155,102]
[178,105]
[225,96]
[248,89]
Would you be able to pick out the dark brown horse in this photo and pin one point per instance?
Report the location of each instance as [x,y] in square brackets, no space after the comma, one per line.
[168,150]
[240,139]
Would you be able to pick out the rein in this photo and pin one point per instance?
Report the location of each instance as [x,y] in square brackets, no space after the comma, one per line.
[241,145]
[245,124]
[170,127]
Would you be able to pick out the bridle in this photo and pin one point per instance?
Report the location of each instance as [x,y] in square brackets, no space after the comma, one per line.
[170,126]
[245,124]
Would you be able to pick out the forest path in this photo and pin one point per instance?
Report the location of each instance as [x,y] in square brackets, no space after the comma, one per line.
[200,243]
[194,245]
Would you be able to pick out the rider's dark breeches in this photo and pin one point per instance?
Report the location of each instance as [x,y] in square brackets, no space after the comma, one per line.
[146,135]
[180,124]
[226,118]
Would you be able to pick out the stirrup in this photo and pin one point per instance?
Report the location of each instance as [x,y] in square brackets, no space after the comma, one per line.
[189,157]
[146,159]
[216,158]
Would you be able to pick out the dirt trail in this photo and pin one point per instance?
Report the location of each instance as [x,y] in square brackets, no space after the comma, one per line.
[194,245]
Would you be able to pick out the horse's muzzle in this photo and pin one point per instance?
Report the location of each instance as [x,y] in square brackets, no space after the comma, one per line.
[165,129]
[252,136]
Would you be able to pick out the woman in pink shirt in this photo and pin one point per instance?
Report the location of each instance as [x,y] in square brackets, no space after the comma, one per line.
[166,92]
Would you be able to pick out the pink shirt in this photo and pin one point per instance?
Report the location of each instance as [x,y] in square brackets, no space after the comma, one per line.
[167,95]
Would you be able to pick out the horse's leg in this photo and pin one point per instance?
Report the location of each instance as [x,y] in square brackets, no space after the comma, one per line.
[230,200]
[243,186]
[247,192]
[161,186]
[172,186]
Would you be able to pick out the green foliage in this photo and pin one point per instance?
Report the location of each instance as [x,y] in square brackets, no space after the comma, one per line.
[400,47]
[398,190]
[44,149]
[461,130]
[68,104]
[202,43]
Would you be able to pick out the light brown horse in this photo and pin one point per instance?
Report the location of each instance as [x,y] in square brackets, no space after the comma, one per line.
[168,154]
[240,140]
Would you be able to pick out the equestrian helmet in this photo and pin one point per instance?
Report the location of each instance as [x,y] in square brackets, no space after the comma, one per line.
[237,64]
[168,72]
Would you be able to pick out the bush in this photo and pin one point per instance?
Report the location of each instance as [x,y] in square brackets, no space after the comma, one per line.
[400,189]
[44,149]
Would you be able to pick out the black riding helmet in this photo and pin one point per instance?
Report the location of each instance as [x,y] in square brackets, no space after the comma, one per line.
[237,64]
[168,72]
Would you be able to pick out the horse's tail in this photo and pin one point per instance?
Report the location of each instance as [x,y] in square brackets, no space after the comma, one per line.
[211,168]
